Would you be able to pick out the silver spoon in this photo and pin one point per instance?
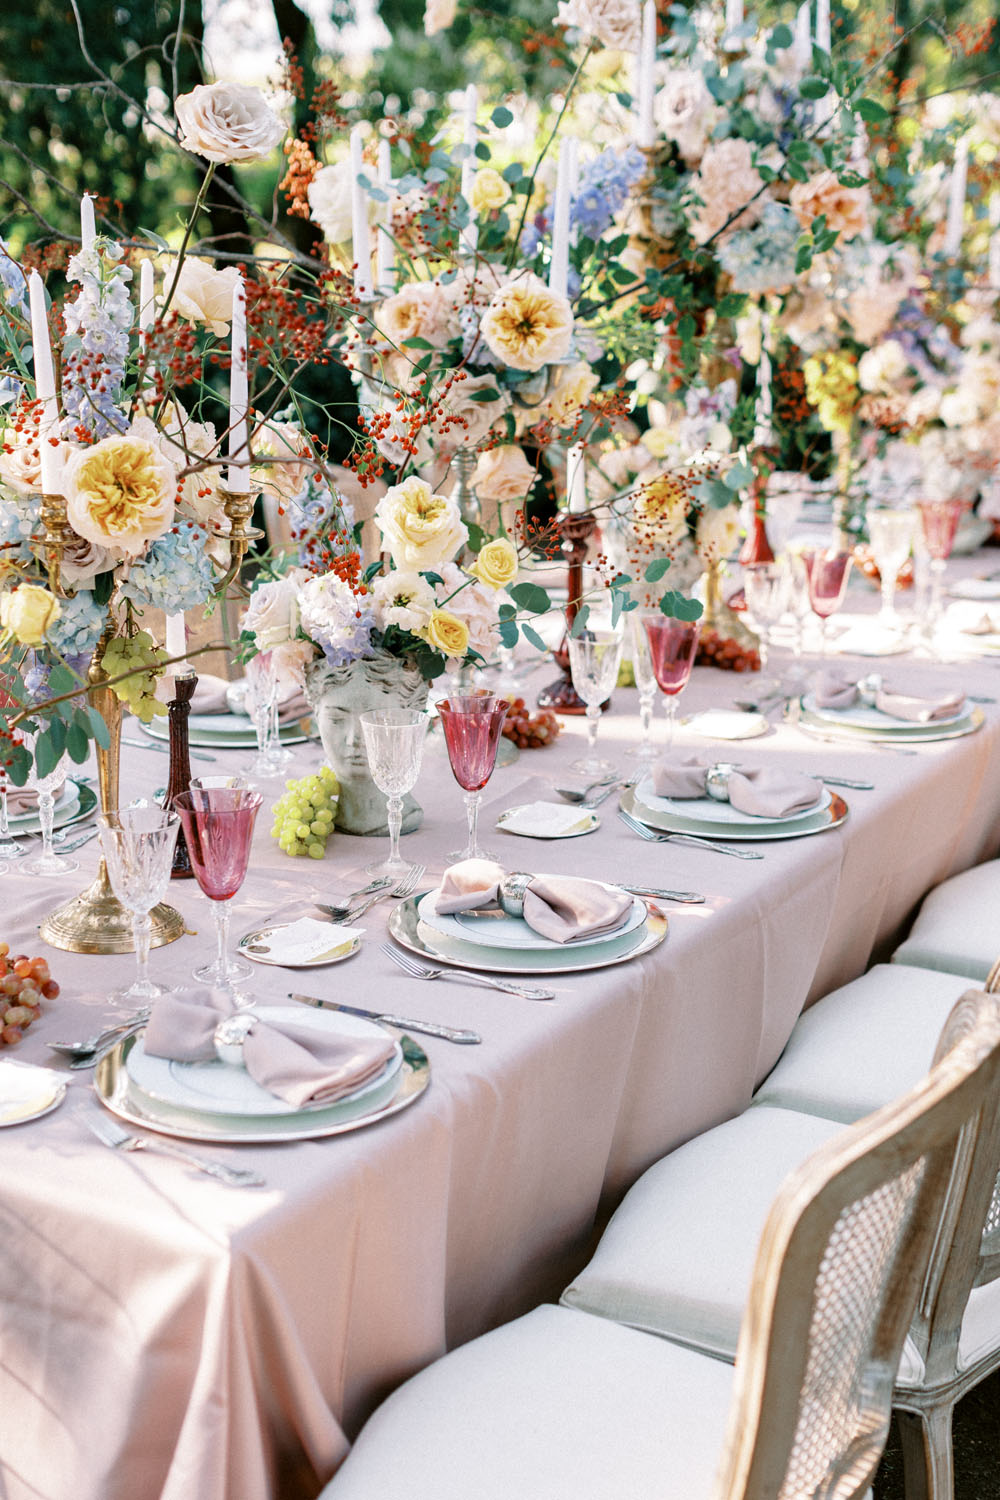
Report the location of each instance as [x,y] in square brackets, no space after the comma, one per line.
[575,794]
[111,1034]
[339,912]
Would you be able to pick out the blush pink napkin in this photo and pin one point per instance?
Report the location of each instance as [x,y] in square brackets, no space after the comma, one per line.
[296,1063]
[838,692]
[562,908]
[681,776]
[767,792]
[23,799]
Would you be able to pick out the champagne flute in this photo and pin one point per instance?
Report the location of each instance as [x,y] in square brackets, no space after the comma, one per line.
[472,726]
[890,533]
[765,588]
[938,523]
[47,863]
[394,741]
[827,569]
[218,824]
[138,846]
[673,646]
[645,681]
[594,659]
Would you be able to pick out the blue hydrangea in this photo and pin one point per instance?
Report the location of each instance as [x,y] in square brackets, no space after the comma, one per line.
[20,518]
[176,574]
[762,259]
[318,508]
[78,628]
[603,189]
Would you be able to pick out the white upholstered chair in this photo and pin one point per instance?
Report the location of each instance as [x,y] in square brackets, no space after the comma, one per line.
[560,1405]
[677,1257]
[958,925]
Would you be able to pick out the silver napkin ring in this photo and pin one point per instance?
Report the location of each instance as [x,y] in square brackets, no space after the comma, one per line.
[229,1037]
[717,780]
[510,892]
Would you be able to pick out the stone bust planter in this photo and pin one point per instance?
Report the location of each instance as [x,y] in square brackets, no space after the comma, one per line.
[338,696]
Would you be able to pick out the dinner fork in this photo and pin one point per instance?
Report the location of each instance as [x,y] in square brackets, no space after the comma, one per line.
[405,886]
[655,837]
[418,970]
[340,911]
[110,1133]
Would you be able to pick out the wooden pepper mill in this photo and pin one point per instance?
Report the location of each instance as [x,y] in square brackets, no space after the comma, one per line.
[179,778]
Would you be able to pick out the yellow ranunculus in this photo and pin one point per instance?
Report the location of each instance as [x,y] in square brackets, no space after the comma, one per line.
[496,563]
[446,633]
[488,191]
[28,612]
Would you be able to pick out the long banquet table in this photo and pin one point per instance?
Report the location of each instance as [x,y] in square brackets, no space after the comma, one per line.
[165,1336]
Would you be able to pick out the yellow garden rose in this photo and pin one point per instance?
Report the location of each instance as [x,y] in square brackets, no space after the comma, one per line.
[488,191]
[28,612]
[526,326]
[120,492]
[496,564]
[420,529]
[446,633]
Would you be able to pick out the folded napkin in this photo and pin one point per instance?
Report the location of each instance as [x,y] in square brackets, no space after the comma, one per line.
[559,907]
[24,799]
[837,692]
[767,792]
[297,1063]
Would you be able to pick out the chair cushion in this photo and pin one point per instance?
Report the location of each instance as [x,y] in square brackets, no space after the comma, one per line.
[677,1257]
[979,1336]
[958,926]
[554,1405]
[864,1044]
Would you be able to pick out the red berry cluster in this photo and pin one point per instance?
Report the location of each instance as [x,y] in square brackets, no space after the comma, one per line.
[24,982]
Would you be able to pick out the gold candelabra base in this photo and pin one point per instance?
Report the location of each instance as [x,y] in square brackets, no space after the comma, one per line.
[717,614]
[96,922]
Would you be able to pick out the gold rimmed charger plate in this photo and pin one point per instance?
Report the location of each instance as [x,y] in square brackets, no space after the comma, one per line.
[254,947]
[915,734]
[731,833]
[117,1092]
[409,932]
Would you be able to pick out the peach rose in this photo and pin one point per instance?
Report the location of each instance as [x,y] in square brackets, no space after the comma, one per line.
[227,122]
[419,310]
[526,325]
[725,181]
[845,208]
[503,474]
[285,443]
[438,16]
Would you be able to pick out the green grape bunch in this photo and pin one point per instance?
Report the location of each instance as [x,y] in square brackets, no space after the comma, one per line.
[304,814]
[142,659]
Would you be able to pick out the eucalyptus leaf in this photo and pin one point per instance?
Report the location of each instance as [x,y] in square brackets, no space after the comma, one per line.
[531,635]
[530,596]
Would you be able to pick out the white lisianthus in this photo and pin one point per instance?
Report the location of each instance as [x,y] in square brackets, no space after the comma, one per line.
[403,598]
[226,122]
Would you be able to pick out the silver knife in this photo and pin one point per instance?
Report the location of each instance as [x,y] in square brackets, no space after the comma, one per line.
[690,898]
[446,1033]
[68,848]
[165,749]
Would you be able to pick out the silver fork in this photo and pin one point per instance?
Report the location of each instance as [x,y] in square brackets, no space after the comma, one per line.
[418,970]
[405,886]
[340,911]
[654,837]
[110,1133]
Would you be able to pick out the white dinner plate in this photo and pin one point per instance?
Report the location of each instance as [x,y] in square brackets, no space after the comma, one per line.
[728,724]
[761,830]
[78,803]
[862,716]
[341,942]
[708,810]
[975,588]
[918,734]
[216,1088]
[495,929]
[27,1092]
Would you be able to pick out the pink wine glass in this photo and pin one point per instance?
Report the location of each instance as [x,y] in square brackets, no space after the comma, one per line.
[472,726]
[827,572]
[218,825]
[673,645]
[938,522]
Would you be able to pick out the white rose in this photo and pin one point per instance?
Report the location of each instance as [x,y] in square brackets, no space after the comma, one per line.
[227,122]
[959,408]
[616,23]
[202,294]
[329,196]
[923,406]
[503,474]
[272,616]
[421,530]
[438,15]
[403,598]
[884,367]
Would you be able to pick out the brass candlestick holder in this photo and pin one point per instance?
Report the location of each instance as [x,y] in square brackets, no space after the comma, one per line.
[575,529]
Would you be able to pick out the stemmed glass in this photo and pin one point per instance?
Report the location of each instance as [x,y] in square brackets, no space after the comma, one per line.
[594,659]
[218,826]
[47,862]
[673,646]
[642,670]
[138,845]
[890,533]
[827,569]
[472,726]
[766,589]
[9,847]
[278,754]
[261,697]
[938,522]
[394,740]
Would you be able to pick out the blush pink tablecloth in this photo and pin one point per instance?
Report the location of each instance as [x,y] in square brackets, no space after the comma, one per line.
[163,1337]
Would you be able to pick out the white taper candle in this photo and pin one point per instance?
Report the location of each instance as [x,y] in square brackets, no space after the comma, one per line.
[147,304]
[823,25]
[239,395]
[565,187]
[956,199]
[176,639]
[45,384]
[88,228]
[470,234]
[361,249]
[734,16]
[645,126]
[576,479]
[385,250]
[802,45]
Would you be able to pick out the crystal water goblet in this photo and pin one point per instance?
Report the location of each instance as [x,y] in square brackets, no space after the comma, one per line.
[766,590]
[938,524]
[394,742]
[277,753]
[138,846]
[890,533]
[261,697]
[218,823]
[673,646]
[594,659]
[645,681]
[9,847]
[827,570]
[47,863]
[472,724]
